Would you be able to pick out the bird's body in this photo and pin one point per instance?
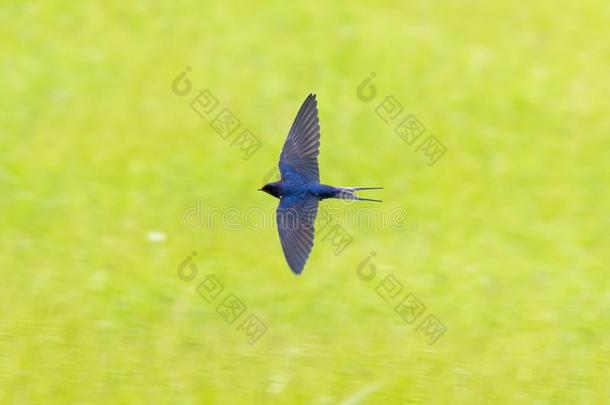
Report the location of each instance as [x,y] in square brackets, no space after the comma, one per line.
[320,191]
[300,189]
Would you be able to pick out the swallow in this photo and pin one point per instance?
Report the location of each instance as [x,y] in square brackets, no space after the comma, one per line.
[299,189]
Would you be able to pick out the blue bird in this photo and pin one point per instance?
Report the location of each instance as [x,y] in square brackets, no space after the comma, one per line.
[300,190]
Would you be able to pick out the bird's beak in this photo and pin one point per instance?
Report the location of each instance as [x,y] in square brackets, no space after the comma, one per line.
[260,189]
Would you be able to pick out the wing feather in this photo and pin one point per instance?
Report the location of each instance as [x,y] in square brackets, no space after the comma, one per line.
[295,224]
[299,157]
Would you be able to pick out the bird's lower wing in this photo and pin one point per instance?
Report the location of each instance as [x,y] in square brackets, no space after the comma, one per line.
[295,224]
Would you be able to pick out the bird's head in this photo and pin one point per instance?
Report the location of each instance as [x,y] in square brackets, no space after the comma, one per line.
[271,188]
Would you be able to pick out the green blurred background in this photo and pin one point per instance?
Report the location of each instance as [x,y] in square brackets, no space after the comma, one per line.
[505,238]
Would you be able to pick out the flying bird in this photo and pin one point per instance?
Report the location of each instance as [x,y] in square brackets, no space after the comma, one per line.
[300,190]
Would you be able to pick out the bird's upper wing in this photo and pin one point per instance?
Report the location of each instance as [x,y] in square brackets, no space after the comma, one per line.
[295,223]
[299,158]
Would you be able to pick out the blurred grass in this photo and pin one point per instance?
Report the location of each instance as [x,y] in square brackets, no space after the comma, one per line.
[510,252]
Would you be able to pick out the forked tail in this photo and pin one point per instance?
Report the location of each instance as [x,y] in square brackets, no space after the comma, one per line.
[349,193]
